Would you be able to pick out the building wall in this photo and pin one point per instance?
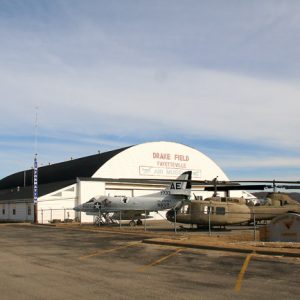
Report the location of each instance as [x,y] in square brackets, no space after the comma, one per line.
[57,205]
[16,211]
[87,190]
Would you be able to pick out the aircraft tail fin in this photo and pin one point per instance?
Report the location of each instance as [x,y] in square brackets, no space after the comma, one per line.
[182,185]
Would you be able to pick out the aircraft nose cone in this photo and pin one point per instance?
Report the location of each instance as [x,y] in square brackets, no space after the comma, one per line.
[77,208]
[170,215]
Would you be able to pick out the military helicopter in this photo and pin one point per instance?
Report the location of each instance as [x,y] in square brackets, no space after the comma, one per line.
[222,211]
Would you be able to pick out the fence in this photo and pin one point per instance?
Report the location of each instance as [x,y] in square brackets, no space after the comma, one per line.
[56,215]
[119,219]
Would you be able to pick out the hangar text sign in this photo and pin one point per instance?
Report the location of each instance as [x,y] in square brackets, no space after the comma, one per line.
[168,164]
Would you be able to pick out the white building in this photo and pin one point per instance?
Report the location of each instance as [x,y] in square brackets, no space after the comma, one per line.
[65,185]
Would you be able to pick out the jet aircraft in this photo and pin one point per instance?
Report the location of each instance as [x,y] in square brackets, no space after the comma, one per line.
[123,207]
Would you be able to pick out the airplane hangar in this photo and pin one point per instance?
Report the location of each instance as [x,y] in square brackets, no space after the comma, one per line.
[62,186]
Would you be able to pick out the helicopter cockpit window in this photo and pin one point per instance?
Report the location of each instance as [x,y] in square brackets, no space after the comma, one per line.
[208,210]
[185,209]
[220,210]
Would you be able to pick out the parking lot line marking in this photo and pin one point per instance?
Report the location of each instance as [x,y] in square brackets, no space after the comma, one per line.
[158,261]
[242,273]
[100,252]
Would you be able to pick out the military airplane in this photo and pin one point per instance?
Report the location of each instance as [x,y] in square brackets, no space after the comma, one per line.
[222,211]
[123,207]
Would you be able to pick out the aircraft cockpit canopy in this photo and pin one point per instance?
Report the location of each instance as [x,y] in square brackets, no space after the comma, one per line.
[92,200]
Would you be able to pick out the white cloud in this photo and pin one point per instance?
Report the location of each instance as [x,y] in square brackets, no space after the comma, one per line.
[193,102]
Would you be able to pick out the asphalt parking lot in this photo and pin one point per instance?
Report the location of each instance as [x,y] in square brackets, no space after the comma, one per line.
[40,262]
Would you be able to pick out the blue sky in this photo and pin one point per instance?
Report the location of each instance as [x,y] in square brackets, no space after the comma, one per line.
[220,76]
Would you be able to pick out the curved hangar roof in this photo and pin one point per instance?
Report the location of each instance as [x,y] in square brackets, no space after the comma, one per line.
[148,160]
[68,170]
[161,160]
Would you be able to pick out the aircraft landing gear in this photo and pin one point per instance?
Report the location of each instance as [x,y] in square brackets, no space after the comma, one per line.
[103,219]
[135,223]
[132,223]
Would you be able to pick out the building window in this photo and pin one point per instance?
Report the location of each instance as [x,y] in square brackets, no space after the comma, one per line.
[3,211]
[29,210]
[14,211]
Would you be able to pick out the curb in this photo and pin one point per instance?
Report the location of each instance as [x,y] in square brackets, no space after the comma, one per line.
[222,248]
